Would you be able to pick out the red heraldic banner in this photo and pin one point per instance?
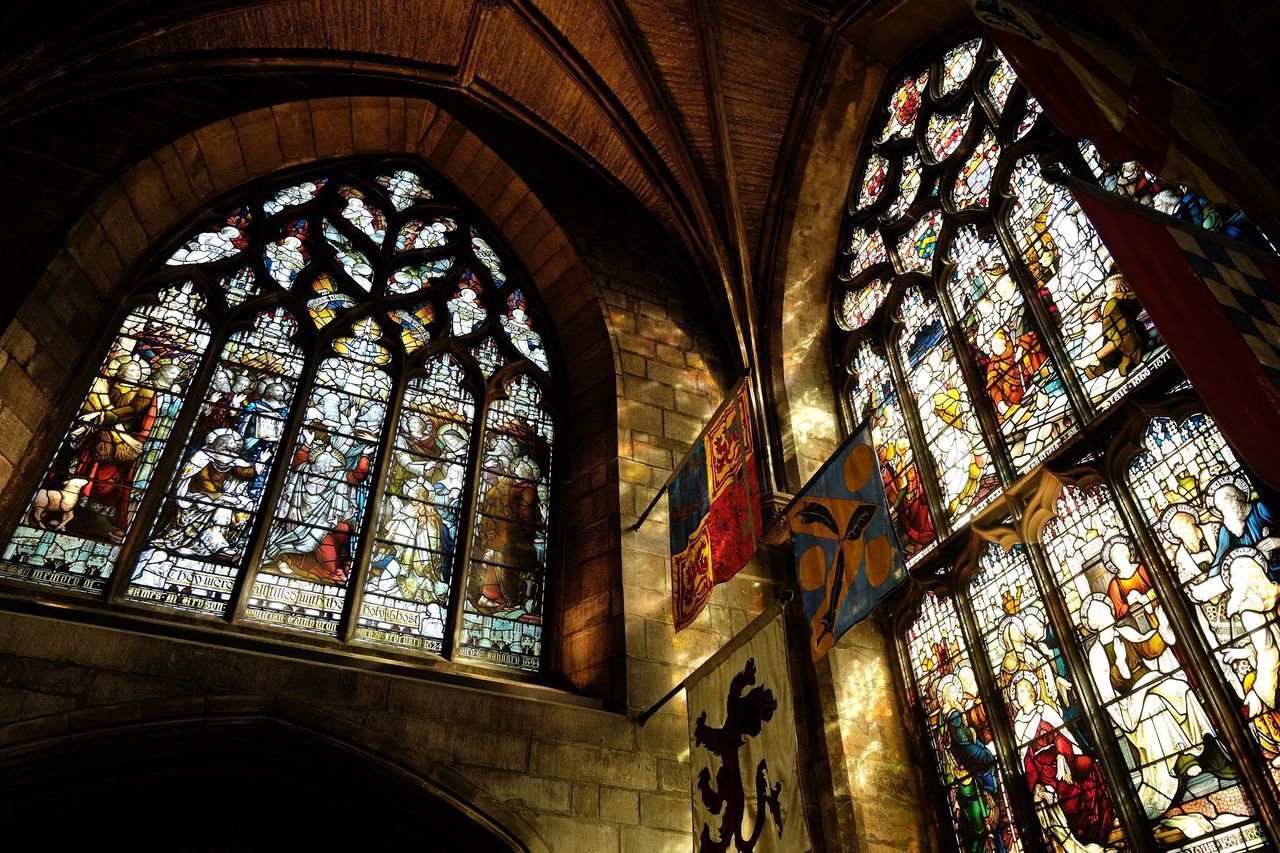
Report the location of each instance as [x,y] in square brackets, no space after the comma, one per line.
[1129,111]
[714,505]
[1216,303]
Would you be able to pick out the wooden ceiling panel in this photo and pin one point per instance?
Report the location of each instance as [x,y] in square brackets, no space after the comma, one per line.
[432,33]
[512,62]
[670,39]
[762,50]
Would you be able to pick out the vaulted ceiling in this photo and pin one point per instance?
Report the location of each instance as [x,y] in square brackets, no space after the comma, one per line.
[693,110]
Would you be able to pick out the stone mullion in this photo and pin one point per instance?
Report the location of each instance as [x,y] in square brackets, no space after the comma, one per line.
[1224,705]
[275,485]
[1001,729]
[461,576]
[921,455]
[1115,769]
[373,505]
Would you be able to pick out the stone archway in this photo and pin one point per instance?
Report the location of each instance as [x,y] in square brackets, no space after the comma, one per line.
[236,774]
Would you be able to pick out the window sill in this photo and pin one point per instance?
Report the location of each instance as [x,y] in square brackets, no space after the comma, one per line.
[19,598]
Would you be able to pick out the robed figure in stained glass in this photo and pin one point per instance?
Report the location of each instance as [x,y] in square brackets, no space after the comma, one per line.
[1065,781]
[974,794]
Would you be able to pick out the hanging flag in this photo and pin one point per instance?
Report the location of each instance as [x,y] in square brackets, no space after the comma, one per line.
[714,509]
[742,746]
[1128,109]
[845,549]
[1216,304]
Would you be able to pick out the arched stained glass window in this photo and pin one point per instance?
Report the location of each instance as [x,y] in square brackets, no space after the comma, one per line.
[1058,756]
[959,730]
[1217,535]
[1127,648]
[330,411]
[1183,777]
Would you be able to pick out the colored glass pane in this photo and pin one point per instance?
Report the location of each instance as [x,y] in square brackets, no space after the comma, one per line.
[405,188]
[502,607]
[959,730]
[874,175]
[957,65]
[904,106]
[281,495]
[209,246]
[963,465]
[1074,808]
[354,262]
[1216,534]
[363,214]
[328,303]
[198,541]
[1019,376]
[308,557]
[519,328]
[466,306]
[1031,115]
[873,396]
[411,567]
[71,532]
[287,256]
[292,196]
[414,277]
[908,187]
[916,247]
[1107,334]
[487,256]
[240,286]
[1000,83]
[946,131]
[866,249]
[1185,782]
[858,307]
[421,234]
[973,183]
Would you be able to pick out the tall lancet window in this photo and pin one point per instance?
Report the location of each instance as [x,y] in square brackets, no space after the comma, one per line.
[330,411]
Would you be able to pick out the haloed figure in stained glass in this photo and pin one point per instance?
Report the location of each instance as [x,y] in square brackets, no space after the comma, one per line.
[967,739]
[1065,781]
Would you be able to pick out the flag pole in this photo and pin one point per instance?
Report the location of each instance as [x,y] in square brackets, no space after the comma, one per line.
[737,642]
[733,393]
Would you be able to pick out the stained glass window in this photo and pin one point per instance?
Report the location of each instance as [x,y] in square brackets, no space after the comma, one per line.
[959,730]
[963,466]
[293,435]
[1054,748]
[1100,692]
[1185,781]
[1218,537]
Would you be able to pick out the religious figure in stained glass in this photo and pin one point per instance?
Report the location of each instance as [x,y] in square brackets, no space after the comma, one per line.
[965,471]
[959,730]
[1220,541]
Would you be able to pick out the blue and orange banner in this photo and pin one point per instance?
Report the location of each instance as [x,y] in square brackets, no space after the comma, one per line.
[846,553]
[714,506]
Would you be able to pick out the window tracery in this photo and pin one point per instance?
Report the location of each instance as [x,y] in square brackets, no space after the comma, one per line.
[330,411]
